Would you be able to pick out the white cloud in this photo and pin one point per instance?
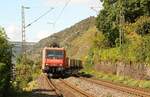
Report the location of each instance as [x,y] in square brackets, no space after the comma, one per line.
[13,32]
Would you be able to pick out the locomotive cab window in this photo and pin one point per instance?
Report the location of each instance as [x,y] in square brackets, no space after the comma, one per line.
[54,54]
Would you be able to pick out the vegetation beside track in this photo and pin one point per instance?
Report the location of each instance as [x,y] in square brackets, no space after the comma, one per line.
[25,75]
[133,46]
[135,26]
[5,65]
[26,71]
[118,79]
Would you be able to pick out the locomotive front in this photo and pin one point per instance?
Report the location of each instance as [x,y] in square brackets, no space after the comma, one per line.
[54,60]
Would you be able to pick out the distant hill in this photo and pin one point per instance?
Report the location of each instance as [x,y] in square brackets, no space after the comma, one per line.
[77,39]
[17,48]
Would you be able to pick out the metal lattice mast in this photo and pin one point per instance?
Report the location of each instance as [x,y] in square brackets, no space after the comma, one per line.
[23,30]
[24,26]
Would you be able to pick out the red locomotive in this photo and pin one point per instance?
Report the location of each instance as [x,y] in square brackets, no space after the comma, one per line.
[55,62]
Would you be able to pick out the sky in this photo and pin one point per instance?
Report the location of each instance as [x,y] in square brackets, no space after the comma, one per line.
[55,21]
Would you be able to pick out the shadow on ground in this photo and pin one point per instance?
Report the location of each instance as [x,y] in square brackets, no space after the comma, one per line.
[36,93]
[82,74]
[74,75]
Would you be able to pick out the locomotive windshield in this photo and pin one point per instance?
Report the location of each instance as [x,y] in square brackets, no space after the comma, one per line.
[54,54]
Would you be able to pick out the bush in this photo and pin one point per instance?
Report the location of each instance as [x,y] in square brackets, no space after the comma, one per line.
[142,25]
[23,75]
[100,41]
[146,84]
[142,52]
[132,83]
[3,78]
[89,59]
[26,71]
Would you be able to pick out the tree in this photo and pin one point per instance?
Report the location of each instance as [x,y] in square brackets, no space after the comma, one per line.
[142,51]
[108,20]
[142,25]
[3,78]
[5,63]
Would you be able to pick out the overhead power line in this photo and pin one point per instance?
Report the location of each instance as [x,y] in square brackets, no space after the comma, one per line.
[24,26]
[40,17]
[93,8]
[62,11]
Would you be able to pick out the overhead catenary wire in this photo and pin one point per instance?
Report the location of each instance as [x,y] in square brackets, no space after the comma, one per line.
[96,8]
[54,23]
[39,17]
[93,8]
[66,4]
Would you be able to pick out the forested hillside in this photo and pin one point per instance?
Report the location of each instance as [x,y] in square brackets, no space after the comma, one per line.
[74,39]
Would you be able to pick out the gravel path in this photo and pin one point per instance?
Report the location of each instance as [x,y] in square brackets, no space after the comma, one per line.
[97,90]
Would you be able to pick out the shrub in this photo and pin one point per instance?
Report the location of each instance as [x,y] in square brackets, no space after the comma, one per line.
[3,78]
[142,25]
[23,75]
[146,84]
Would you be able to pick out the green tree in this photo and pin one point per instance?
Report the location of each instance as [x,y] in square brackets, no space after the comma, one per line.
[109,18]
[142,52]
[89,59]
[25,69]
[142,25]
[5,63]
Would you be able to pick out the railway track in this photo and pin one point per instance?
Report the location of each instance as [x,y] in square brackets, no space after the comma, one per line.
[53,87]
[68,89]
[123,88]
[71,87]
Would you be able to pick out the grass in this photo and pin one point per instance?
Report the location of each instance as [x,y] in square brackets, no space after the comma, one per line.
[118,79]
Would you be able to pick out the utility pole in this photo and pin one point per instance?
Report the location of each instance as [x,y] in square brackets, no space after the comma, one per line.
[25,26]
[121,29]
[121,22]
[23,29]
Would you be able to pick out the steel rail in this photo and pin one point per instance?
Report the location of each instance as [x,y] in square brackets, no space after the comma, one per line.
[134,91]
[56,90]
[77,89]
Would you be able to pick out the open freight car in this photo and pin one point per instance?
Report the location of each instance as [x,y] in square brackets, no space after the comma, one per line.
[55,62]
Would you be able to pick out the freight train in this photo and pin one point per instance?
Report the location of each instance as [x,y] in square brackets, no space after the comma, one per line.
[56,62]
